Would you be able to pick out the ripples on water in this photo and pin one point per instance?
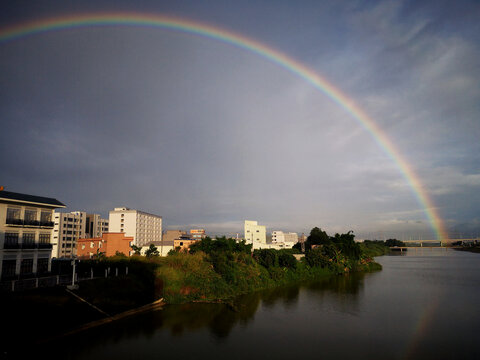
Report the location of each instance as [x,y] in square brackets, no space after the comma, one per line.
[420,306]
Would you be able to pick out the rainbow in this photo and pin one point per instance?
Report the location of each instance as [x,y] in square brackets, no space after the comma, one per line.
[284,61]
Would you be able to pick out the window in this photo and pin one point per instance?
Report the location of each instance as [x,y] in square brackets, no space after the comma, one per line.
[11,240]
[13,213]
[28,237]
[30,215]
[45,216]
[258,230]
[44,239]
[42,266]
[26,266]
[8,268]
[83,246]
[92,244]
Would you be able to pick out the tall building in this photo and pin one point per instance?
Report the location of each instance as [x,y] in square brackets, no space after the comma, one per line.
[68,228]
[95,226]
[255,233]
[25,234]
[72,226]
[143,227]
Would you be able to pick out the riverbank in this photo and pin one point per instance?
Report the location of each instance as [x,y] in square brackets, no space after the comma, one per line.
[222,270]
[473,249]
[209,273]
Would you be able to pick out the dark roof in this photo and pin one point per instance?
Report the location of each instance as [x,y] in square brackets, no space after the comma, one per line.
[7,195]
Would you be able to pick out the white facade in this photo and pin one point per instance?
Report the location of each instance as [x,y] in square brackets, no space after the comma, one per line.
[143,227]
[25,234]
[284,240]
[254,233]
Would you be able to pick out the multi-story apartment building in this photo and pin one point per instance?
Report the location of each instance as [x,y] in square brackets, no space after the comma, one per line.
[255,233]
[25,234]
[72,226]
[68,228]
[143,227]
[95,226]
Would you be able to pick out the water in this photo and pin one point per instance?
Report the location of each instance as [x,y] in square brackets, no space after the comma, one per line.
[420,306]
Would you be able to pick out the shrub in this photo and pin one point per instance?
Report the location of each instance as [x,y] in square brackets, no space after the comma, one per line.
[315,257]
[287,260]
[266,257]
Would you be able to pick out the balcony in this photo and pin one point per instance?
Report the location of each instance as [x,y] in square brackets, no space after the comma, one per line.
[29,223]
[12,245]
[29,245]
[18,222]
[44,246]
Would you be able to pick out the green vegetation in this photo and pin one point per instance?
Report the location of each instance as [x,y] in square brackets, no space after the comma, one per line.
[223,268]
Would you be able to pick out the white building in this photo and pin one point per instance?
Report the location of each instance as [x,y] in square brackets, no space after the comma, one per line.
[25,234]
[143,227]
[69,227]
[255,234]
[284,240]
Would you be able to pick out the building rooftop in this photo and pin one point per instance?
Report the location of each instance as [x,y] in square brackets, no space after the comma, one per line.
[33,199]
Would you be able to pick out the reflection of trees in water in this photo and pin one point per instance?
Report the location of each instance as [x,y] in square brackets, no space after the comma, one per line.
[220,319]
[341,292]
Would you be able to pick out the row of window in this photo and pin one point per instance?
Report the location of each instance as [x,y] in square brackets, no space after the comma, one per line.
[9,267]
[29,214]
[27,237]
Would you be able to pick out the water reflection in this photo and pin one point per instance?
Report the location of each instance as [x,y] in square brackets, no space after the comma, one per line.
[220,319]
[417,307]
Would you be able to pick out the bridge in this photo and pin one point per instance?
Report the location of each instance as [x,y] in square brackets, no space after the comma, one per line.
[444,244]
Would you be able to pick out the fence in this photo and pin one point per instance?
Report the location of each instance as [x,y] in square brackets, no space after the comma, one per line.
[58,280]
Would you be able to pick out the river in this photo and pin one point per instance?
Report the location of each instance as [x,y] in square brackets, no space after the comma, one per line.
[425,305]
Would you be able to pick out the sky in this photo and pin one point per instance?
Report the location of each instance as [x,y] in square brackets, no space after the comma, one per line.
[207,134]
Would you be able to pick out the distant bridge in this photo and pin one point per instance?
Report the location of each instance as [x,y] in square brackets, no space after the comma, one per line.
[443,242]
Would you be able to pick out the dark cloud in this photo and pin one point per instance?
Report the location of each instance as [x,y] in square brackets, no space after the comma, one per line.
[204,133]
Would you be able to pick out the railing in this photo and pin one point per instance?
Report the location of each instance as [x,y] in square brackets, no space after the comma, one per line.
[29,223]
[12,245]
[45,245]
[28,245]
[17,283]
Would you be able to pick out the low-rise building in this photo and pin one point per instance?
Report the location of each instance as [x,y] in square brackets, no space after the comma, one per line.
[109,244]
[197,234]
[26,228]
[284,240]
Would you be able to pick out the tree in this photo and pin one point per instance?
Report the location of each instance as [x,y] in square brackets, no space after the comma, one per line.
[394,242]
[317,237]
[347,245]
[136,249]
[152,251]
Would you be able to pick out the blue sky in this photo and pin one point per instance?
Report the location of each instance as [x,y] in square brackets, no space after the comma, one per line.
[206,134]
